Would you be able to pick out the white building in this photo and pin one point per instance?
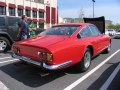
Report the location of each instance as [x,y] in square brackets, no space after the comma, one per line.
[43,12]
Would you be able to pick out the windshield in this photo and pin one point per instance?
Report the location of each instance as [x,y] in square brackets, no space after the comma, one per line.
[110,30]
[118,30]
[61,30]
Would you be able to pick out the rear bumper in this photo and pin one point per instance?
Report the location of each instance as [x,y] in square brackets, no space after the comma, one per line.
[42,64]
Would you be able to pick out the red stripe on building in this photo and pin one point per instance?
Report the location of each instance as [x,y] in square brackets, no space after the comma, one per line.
[20,7]
[12,5]
[34,9]
[53,16]
[47,14]
[41,10]
[3,4]
[28,8]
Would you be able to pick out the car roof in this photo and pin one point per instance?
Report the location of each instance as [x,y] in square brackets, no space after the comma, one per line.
[73,24]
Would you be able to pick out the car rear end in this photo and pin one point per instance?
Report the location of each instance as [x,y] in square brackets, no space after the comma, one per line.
[31,54]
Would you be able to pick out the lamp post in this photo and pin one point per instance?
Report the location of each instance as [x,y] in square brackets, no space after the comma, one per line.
[93,7]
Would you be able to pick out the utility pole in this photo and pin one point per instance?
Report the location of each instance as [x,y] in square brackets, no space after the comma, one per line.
[93,7]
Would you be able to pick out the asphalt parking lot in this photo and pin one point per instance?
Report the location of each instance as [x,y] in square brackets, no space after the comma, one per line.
[103,74]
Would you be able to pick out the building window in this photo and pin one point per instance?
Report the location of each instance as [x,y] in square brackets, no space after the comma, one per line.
[2,10]
[39,1]
[11,11]
[35,14]
[28,13]
[41,14]
[20,12]
[41,25]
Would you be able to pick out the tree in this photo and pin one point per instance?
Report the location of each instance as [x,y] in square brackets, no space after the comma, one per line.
[114,26]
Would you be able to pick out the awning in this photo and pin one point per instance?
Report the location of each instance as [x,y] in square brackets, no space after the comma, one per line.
[28,8]
[3,4]
[35,20]
[12,5]
[41,10]
[20,7]
[34,9]
[41,20]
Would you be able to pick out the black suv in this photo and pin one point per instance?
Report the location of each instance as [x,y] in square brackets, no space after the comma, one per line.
[8,31]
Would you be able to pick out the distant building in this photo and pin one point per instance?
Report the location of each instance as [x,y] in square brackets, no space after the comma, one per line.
[78,20]
[73,20]
[43,12]
[68,20]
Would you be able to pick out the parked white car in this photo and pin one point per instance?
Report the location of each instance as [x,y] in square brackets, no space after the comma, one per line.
[110,32]
[117,34]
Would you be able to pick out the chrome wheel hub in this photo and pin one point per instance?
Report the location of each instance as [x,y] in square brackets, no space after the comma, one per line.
[87,59]
[3,45]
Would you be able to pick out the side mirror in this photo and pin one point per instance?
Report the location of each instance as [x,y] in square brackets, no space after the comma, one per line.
[78,36]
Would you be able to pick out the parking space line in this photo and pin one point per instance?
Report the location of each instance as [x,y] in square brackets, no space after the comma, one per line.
[71,86]
[5,58]
[2,86]
[9,61]
[110,79]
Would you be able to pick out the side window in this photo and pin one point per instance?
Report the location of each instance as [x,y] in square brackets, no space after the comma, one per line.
[13,20]
[2,21]
[85,32]
[95,31]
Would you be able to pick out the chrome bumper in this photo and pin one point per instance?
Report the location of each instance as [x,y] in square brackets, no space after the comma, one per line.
[42,64]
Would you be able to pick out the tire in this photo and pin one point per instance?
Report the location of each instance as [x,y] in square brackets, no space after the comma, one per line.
[4,44]
[85,63]
[108,49]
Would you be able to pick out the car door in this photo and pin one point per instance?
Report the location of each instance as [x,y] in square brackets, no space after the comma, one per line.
[87,37]
[13,27]
[3,27]
[100,37]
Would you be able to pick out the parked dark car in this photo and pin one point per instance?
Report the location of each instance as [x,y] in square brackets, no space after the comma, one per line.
[8,32]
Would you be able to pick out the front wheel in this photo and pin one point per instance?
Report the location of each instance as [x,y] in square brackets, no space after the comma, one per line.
[85,62]
[4,44]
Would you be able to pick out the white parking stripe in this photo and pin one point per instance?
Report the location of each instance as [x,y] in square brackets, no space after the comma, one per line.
[89,73]
[2,86]
[5,58]
[9,61]
[109,80]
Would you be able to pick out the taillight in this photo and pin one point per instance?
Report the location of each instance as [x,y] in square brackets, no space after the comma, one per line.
[45,56]
[49,57]
[16,49]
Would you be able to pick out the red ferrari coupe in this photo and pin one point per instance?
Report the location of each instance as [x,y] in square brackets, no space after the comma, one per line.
[64,45]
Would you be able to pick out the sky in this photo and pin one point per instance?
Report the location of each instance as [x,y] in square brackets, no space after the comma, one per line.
[108,8]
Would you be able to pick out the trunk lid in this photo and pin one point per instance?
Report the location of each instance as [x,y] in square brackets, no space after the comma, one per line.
[43,41]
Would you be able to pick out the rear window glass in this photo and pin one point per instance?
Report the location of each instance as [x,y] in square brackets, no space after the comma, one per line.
[2,21]
[61,30]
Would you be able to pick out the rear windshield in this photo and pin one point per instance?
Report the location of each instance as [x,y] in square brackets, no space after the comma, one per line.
[61,30]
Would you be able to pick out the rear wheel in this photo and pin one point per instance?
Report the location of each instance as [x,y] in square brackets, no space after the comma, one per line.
[85,62]
[4,44]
